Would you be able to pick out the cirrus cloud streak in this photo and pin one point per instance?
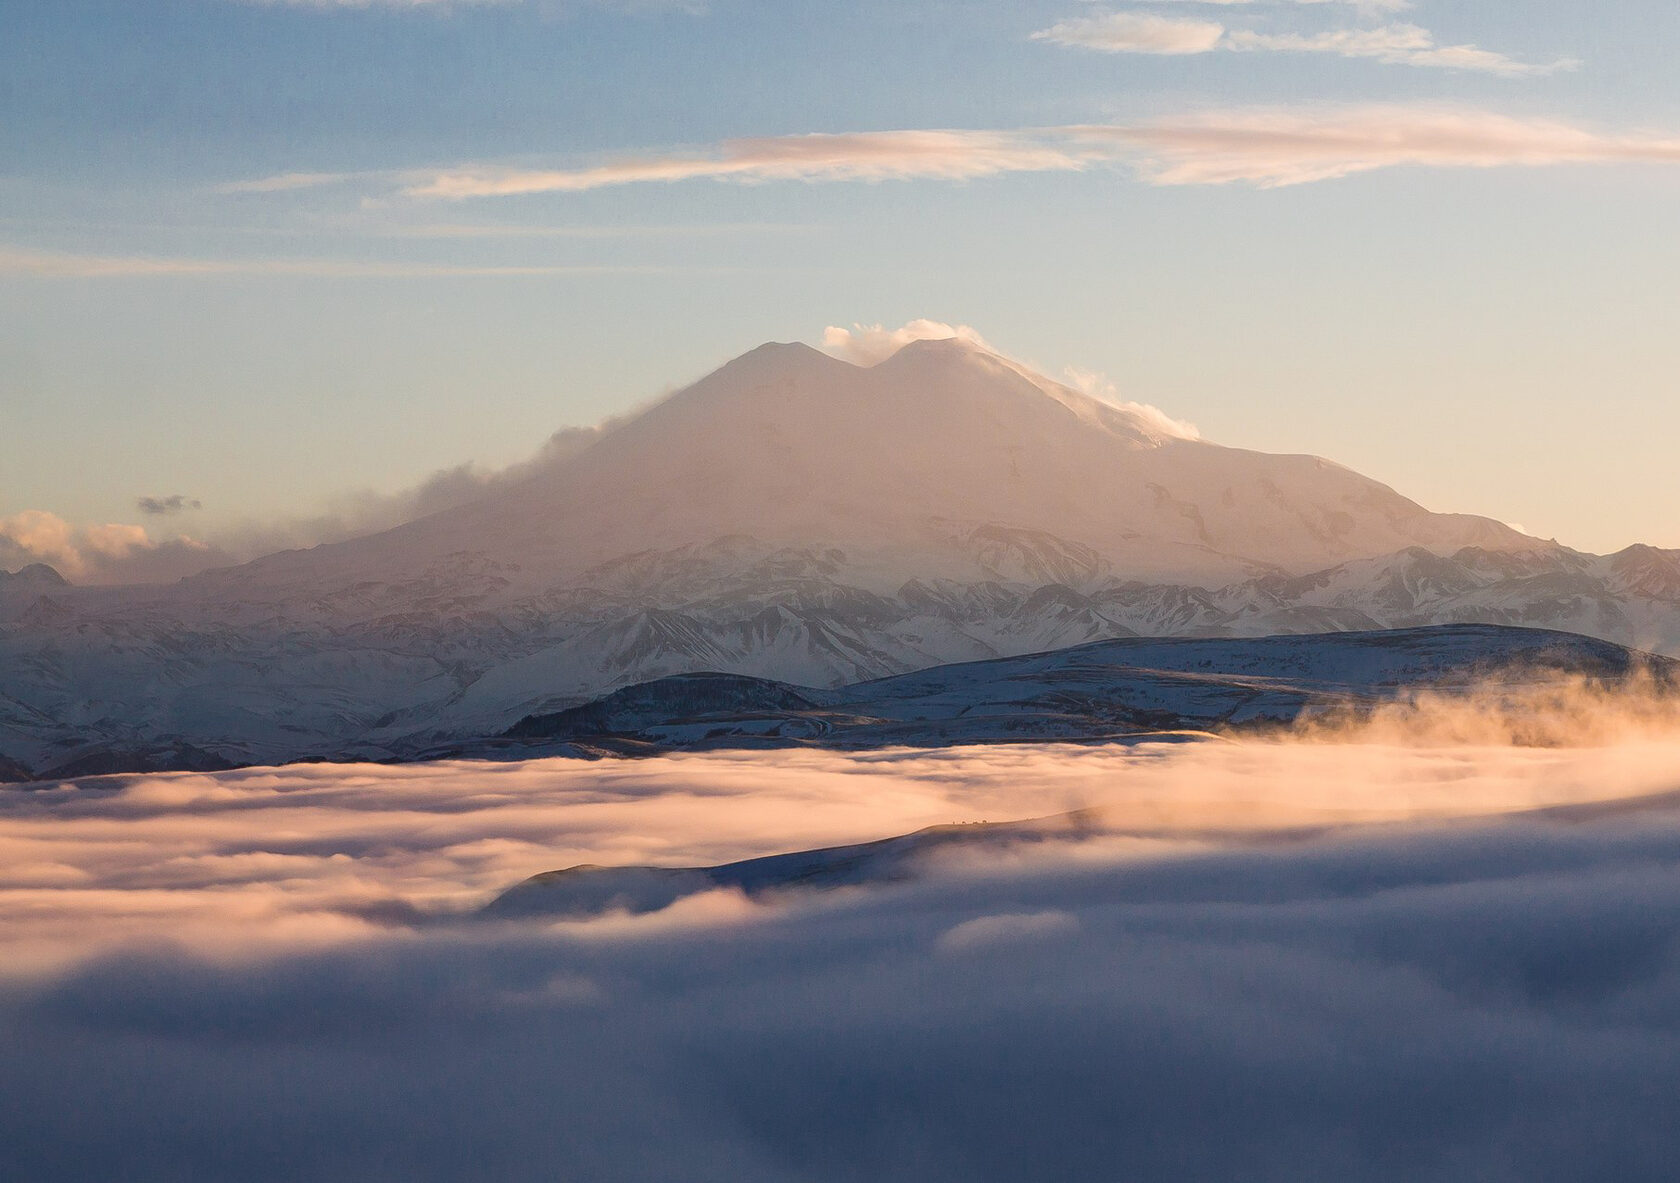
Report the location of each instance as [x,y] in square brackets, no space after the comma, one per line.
[855,156]
[1266,147]
[1401,44]
[48,264]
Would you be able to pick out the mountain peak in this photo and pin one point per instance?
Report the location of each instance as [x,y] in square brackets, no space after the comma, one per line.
[908,468]
[36,575]
[782,349]
[942,346]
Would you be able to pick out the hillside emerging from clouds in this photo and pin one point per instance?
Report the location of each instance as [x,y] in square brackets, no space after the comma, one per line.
[792,516]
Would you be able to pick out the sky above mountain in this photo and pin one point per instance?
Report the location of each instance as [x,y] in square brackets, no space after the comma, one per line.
[264,265]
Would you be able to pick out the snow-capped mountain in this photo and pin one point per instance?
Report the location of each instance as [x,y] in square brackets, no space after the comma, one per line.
[944,461]
[790,516]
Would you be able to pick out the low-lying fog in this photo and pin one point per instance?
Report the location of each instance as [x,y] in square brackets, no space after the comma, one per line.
[243,975]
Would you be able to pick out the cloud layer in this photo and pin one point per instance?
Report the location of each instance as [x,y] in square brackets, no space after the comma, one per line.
[251,992]
[263,858]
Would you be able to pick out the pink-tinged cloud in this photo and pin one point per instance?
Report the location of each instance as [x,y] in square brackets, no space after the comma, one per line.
[1276,148]
[856,156]
[1266,147]
[109,553]
[1393,44]
[1135,32]
[866,345]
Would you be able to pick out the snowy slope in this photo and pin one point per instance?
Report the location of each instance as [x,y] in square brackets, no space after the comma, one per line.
[1104,690]
[943,460]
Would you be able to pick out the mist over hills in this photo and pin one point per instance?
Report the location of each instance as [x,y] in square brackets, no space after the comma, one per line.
[794,517]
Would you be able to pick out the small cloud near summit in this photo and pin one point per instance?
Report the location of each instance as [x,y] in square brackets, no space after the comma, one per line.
[174,503]
[868,345]
[865,345]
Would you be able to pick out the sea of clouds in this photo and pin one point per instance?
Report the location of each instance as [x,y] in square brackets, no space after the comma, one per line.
[1280,960]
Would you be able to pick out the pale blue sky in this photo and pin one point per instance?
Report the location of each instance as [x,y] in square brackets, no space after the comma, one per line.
[1498,339]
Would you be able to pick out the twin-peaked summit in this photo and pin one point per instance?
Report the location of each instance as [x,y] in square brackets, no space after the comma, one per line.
[793,517]
[945,460]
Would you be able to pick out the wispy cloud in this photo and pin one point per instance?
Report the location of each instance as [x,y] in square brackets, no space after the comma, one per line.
[855,156]
[1392,44]
[24,261]
[446,230]
[1135,32]
[1268,147]
[1274,148]
[1403,45]
[1098,385]
[629,7]
[163,506]
[285,182]
[868,345]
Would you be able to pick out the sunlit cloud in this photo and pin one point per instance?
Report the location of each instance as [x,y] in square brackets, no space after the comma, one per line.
[322,851]
[1273,148]
[866,345]
[1262,934]
[860,156]
[104,553]
[1267,147]
[1394,44]
[1099,386]
[1135,32]
[1479,1004]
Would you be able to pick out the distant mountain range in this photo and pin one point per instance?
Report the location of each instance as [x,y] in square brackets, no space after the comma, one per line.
[790,517]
